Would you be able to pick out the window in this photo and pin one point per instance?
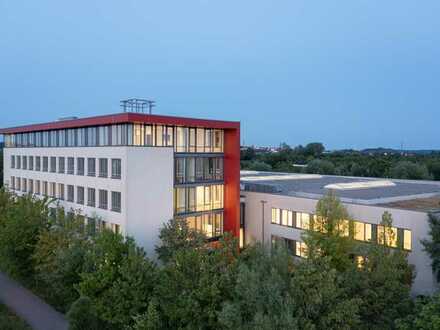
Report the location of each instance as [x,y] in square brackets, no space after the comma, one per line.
[70,165]
[53,164]
[24,162]
[12,183]
[138,139]
[362,231]
[116,228]
[302,220]
[18,162]
[80,166]
[103,167]
[116,201]
[407,240]
[287,218]
[31,186]
[12,161]
[181,139]
[18,184]
[91,226]
[45,189]
[52,191]
[37,187]
[103,135]
[387,236]
[23,185]
[70,193]
[61,164]
[301,249]
[45,163]
[179,170]
[31,163]
[37,163]
[210,224]
[103,199]
[60,191]
[276,216]
[91,166]
[91,200]
[80,195]
[116,168]
[218,141]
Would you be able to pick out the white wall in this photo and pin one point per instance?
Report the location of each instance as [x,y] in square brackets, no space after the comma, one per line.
[417,222]
[146,185]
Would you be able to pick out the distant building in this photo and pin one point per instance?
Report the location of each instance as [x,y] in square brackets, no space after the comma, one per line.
[279,206]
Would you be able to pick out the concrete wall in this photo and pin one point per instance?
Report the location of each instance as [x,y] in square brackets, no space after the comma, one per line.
[417,222]
[146,185]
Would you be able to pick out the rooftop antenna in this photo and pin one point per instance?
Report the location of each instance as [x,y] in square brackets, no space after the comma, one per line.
[138,105]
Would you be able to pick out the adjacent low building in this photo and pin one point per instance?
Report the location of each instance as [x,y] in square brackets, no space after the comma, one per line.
[132,172]
[279,207]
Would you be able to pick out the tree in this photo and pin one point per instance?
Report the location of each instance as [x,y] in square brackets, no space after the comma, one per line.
[21,220]
[59,259]
[328,234]
[260,296]
[432,246]
[150,320]
[175,236]
[194,283]
[82,315]
[426,315]
[434,169]
[409,170]
[314,149]
[318,166]
[118,278]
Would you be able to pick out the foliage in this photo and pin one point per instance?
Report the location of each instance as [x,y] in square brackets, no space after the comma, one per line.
[150,320]
[328,233]
[409,170]
[118,278]
[82,315]
[432,246]
[194,283]
[426,315]
[21,220]
[260,297]
[376,163]
[9,321]
[176,236]
[59,258]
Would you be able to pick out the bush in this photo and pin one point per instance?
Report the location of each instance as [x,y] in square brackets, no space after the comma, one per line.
[82,315]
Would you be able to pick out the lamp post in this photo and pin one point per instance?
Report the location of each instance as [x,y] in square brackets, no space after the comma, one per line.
[262,221]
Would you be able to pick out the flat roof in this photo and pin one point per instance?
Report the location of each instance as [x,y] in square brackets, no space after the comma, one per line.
[120,118]
[357,190]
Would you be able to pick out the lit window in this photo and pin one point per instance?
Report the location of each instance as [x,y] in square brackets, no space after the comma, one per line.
[387,235]
[276,216]
[407,239]
[301,249]
[302,220]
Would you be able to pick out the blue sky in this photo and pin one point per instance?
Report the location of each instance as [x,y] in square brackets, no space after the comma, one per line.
[351,74]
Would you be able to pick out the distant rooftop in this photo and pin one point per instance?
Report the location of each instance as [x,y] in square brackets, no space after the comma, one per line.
[406,194]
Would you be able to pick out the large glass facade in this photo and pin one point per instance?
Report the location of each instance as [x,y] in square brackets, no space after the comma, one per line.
[183,139]
[198,198]
[211,224]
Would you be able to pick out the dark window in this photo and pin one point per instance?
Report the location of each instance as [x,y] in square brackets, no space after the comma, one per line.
[80,166]
[116,201]
[70,193]
[37,163]
[91,166]
[53,164]
[61,164]
[12,161]
[80,195]
[31,163]
[70,165]
[45,163]
[91,200]
[116,168]
[24,162]
[103,199]
[103,167]
[18,162]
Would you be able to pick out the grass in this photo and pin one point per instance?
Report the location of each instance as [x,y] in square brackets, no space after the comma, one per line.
[10,321]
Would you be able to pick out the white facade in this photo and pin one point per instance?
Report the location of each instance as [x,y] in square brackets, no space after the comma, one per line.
[417,222]
[145,185]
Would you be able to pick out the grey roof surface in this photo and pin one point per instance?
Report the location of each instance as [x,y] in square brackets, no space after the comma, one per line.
[314,187]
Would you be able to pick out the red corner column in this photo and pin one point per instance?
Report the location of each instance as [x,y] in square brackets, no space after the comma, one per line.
[232,180]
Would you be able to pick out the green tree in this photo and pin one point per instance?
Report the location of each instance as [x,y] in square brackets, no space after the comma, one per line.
[82,315]
[151,320]
[328,235]
[426,315]
[431,246]
[175,236]
[319,166]
[260,297]
[59,259]
[21,221]
[409,170]
[314,149]
[118,278]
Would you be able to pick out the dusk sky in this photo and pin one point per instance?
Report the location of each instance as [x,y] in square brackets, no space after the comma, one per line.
[350,74]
